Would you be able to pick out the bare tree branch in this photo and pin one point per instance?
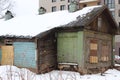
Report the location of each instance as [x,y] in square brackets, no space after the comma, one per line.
[4,6]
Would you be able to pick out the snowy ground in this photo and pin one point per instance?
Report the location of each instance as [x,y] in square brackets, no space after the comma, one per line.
[34,24]
[14,73]
[25,8]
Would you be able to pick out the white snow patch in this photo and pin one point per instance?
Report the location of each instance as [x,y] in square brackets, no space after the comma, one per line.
[117,64]
[13,73]
[117,57]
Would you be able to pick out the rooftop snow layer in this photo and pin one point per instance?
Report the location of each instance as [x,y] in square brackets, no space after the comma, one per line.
[35,24]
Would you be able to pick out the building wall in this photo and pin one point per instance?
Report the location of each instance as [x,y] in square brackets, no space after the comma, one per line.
[46,52]
[112,5]
[117,48]
[117,12]
[74,47]
[48,4]
[101,38]
[88,3]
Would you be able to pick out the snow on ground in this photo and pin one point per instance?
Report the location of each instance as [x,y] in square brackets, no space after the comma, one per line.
[117,64]
[35,24]
[13,73]
[117,57]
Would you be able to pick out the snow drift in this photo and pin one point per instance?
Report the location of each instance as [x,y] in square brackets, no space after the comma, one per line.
[13,73]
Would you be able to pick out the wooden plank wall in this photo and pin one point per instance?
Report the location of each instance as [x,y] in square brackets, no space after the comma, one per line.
[47,53]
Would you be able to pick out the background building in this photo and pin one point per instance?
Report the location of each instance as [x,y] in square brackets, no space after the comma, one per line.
[84,3]
[55,5]
[117,12]
[110,4]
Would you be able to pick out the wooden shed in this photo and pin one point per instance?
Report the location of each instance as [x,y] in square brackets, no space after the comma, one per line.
[86,45]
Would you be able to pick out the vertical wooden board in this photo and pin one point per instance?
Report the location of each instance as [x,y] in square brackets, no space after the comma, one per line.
[67,47]
[81,49]
[7,55]
[25,54]
[0,55]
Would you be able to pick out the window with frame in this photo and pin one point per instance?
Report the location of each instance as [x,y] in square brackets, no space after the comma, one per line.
[118,1]
[8,42]
[105,51]
[62,7]
[69,0]
[53,0]
[119,13]
[113,13]
[54,8]
[119,24]
[119,51]
[110,3]
[68,7]
[84,5]
[93,51]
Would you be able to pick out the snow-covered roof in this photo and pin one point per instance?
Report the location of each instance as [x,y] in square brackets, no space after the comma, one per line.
[35,24]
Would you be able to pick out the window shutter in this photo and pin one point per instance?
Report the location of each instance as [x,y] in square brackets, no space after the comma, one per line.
[93,51]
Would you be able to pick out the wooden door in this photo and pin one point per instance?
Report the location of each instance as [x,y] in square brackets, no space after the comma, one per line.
[25,54]
[7,55]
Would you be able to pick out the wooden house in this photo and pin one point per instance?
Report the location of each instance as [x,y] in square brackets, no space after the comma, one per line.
[82,45]
[117,45]
[87,43]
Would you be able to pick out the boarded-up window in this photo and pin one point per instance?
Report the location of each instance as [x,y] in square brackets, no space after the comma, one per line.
[93,51]
[7,55]
[105,52]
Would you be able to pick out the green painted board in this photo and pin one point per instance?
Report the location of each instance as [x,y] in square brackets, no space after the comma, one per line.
[0,55]
[70,47]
